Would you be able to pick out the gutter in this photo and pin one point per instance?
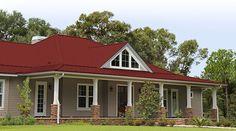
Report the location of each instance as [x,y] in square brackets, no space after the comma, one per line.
[126,78]
[10,75]
[58,103]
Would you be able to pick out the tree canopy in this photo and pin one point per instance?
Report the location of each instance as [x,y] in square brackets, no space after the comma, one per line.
[100,27]
[14,27]
[155,46]
[221,67]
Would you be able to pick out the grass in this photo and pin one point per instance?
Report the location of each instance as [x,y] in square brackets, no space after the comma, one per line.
[98,128]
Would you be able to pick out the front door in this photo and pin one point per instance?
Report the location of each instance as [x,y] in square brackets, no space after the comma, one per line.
[174,102]
[40,98]
[122,100]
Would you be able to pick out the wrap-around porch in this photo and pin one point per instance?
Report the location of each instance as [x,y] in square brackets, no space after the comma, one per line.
[66,96]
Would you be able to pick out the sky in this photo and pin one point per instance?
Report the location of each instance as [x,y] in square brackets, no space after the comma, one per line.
[211,22]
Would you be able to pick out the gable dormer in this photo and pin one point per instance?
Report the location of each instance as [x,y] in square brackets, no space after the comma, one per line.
[127,59]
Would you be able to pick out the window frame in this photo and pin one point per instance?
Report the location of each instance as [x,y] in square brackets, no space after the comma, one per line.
[131,55]
[2,93]
[86,97]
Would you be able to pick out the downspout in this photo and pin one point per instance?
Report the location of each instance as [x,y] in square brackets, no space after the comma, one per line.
[58,103]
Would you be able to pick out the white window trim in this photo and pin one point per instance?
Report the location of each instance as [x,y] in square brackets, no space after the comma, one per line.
[3,94]
[120,61]
[87,108]
[166,98]
[45,98]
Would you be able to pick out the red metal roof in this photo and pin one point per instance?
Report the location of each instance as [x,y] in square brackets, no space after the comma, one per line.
[72,54]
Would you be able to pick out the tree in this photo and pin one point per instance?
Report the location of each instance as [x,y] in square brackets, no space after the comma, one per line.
[232,105]
[39,27]
[187,54]
[221,67]
[100,27]
[12,25]
[148,104]
[153,45]
[26,104]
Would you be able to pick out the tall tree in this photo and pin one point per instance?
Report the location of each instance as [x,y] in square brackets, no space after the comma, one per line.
[12,25]
[39,27]
[187,54]
[153,45]
[221,66]
[99,27]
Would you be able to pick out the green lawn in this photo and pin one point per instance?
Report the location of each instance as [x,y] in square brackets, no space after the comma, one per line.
[98,128]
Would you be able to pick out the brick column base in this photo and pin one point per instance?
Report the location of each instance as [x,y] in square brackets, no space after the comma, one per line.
[54,110]
[188,113]
[95,110]
[213,114]
[162,112]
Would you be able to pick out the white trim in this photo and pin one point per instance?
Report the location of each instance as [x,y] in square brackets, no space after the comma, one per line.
[167,101]
[161,92]
[214,98]
[129,94]
[124,78]
[177,101]
[3,94]
[36,98]
[132,53]
[95,91]
[120,61]
[87,108]
[189,99]
[10,75]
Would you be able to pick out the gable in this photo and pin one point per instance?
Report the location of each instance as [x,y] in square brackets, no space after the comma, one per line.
[127,59]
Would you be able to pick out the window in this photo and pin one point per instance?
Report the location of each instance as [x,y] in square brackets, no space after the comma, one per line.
[165,99]
[125,58]
[84,96]
[1,93]
[134,64]
[116,61]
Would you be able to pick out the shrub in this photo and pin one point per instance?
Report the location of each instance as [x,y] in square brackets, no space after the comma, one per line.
[163,122]
[218,124]
[226,122]
[178,114]
[147,104]
[20,120]
[199,121]
[129,116]
[171,123]
[138,122]
[26,104]
[149,123]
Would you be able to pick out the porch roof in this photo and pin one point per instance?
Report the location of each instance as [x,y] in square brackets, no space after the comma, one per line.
[73,54]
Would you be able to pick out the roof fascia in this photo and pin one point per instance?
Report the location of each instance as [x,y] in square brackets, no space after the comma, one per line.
[125,78]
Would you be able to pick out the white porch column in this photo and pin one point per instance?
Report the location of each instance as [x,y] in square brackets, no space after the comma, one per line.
[189,101]
[161,91]
[129,94]
[95,91]
[56,90]
[214,99]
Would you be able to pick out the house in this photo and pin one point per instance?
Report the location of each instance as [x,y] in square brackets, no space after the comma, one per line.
[73,77]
